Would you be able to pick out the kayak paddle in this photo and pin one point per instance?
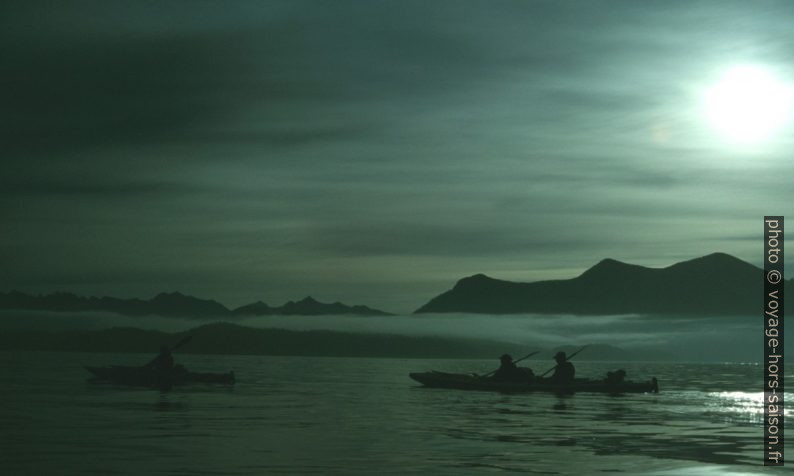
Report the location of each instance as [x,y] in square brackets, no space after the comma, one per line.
[179,344]
[568,358]
[515,362]
[182,342]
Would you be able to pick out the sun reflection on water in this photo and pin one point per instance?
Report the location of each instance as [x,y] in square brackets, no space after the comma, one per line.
[749,403]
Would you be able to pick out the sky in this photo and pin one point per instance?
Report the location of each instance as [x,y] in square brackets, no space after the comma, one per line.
[376,152]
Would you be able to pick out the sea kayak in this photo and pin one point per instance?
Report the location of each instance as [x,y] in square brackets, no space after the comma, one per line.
[141,376]
[474,382]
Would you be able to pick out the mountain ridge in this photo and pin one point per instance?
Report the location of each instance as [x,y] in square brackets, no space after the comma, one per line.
[172,304]
[714,284]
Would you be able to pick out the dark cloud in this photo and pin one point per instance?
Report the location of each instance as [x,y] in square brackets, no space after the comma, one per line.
[81,94]
[448,239]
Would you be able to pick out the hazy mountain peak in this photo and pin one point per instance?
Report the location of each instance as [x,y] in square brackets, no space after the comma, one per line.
[714,262]
[474,280]
[609,267]
[609,263]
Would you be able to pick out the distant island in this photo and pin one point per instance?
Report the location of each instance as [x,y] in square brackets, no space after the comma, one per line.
[228,338]
[173,305]
[717,284]
[307,306]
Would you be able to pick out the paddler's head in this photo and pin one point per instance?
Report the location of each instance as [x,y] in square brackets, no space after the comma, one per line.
[560,357]
[505,358]
[164,349]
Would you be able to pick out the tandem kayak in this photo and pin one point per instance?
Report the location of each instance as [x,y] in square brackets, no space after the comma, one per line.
[141,376]
[474,382]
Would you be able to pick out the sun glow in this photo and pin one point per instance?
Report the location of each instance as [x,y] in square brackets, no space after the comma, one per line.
[748,104]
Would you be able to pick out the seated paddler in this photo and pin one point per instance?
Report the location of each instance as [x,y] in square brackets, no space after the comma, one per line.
[509,372]
[564,372]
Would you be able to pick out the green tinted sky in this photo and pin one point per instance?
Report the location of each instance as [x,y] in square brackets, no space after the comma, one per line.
[373,152]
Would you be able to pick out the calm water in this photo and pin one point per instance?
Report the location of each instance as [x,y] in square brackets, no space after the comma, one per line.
[361,416]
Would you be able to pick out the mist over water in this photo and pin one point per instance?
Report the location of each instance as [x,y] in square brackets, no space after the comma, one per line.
[719,338]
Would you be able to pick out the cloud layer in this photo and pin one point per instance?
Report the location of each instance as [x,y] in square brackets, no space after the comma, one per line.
[372,152]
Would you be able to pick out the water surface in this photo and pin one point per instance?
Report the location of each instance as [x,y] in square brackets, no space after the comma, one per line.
[359,416]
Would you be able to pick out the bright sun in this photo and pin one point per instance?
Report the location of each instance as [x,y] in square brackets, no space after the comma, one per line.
[748,104]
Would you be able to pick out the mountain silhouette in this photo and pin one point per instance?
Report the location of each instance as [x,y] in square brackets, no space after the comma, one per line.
[180,305]
[307,306]
[717,284]
[172,304]
[254,309]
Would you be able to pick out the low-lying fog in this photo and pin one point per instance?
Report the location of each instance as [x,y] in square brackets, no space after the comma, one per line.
[701,338]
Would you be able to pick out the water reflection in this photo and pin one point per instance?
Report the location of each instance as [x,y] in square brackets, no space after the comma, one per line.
[562,405]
